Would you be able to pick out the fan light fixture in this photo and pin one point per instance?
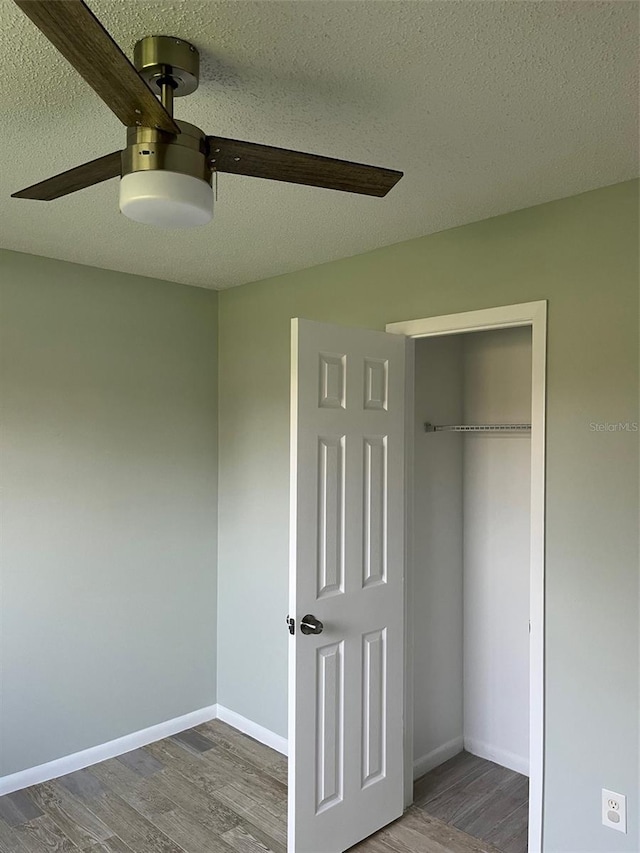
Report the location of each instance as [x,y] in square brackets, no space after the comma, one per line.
[167,166]
[167,199]
[166,179]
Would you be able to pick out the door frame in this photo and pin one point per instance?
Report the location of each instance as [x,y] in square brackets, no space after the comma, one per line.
[534,315]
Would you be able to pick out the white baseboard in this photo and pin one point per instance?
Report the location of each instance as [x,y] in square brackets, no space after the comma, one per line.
[499,756]
[437,756]
[257,732]
[114,748]
[111,749]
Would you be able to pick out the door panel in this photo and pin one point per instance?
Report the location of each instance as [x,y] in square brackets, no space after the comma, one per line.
[346,569]
[374,689]
[331,488]
[375,515]
[330,712]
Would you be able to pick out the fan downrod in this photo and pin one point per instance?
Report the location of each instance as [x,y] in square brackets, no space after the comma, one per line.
[158,59]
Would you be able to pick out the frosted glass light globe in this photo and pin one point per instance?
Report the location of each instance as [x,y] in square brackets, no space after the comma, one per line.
[166,199]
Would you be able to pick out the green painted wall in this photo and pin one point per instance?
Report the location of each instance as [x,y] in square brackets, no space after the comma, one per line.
[108,419]
[581,254]
[108,427]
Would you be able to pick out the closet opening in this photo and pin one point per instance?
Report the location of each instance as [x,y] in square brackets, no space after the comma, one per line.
[474,693]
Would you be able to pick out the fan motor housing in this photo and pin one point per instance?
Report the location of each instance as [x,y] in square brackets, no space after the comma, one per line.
[149,149]
[156,57]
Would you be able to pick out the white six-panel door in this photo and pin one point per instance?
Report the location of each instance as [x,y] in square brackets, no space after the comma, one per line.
[346,570]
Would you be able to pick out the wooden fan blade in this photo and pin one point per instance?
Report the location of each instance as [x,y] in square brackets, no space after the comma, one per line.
[80,37]
[295,167]
[94,172]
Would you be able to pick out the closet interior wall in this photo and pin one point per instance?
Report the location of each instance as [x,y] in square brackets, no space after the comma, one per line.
[471,550]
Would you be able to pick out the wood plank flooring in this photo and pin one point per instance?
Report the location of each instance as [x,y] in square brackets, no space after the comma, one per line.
[214,790]
[481,798]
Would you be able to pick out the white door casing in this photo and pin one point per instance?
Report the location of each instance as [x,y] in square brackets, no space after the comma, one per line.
[533,314]
[346,684]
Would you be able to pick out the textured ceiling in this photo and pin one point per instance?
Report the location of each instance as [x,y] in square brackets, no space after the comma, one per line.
[487,107]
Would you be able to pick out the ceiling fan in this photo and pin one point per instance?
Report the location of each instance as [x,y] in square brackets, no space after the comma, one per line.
[167,166]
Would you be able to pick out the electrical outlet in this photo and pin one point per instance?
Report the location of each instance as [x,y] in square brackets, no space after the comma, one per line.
[614,810]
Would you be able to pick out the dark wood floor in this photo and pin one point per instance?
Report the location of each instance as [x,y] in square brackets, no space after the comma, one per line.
[214,790]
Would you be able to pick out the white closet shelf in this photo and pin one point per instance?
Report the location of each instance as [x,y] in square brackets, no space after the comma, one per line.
[429,427]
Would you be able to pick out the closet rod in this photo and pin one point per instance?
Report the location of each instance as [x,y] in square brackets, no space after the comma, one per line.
[429,427]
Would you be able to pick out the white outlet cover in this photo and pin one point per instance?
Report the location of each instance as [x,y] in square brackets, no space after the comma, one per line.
[614,810]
